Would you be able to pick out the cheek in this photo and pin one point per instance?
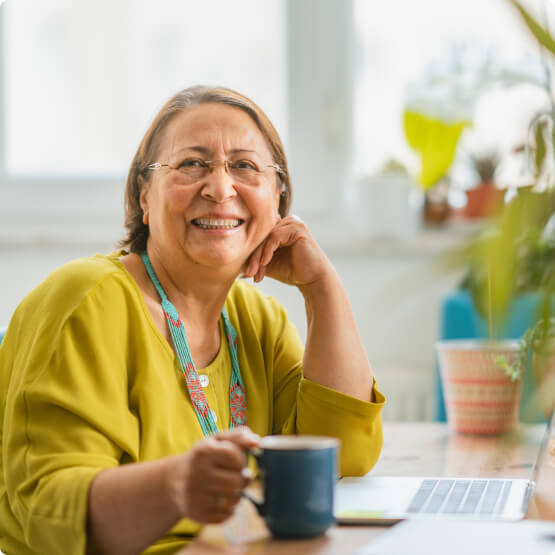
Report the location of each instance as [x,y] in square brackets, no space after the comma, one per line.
[177,199]
[261,203]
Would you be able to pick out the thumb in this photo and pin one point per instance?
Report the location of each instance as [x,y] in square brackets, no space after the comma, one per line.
[241,436]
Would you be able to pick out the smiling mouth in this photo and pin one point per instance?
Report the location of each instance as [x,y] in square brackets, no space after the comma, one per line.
[211,223]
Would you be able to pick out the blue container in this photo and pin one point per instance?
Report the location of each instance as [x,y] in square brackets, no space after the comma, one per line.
[298,475]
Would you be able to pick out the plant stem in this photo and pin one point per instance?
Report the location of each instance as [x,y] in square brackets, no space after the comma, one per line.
[490,311]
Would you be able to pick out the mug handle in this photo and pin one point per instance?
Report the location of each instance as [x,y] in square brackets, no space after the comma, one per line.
[256,452]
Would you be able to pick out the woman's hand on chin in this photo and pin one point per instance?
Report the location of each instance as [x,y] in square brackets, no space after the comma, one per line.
[289,254]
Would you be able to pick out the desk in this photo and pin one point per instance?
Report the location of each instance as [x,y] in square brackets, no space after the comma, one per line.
[416,449]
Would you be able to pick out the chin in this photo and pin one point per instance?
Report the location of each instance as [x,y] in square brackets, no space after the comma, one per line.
[221,262]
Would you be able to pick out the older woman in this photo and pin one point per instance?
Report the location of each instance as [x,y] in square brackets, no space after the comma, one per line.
[131,382]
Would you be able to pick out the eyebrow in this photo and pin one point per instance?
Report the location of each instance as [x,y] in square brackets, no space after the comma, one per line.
[207,151]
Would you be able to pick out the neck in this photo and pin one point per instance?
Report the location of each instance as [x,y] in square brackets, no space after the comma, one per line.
[198,293]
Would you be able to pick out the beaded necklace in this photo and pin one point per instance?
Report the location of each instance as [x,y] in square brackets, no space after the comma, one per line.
[237,398]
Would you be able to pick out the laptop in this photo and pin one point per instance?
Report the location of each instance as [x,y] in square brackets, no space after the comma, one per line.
[389,499]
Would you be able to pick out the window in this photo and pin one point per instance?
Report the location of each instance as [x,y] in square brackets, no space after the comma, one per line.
[82,80]
[400,39]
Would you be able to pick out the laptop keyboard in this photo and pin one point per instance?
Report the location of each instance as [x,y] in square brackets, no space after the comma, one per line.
[463,497]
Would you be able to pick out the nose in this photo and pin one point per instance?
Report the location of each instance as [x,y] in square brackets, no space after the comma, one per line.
[218,184]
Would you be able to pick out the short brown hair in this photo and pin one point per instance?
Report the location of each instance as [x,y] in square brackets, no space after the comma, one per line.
[139,175]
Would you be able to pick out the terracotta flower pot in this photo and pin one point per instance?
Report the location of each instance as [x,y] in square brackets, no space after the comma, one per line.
[483,201]
[479,396]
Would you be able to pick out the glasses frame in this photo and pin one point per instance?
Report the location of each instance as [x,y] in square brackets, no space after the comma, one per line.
[210,166]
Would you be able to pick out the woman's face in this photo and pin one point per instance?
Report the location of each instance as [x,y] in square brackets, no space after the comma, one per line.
[217,220]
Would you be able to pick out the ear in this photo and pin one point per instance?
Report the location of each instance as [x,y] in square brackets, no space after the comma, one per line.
[280,191]
[143,198]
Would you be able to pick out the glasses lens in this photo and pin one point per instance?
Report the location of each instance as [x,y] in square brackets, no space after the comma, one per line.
[249,172]
[247,175]
[191,169]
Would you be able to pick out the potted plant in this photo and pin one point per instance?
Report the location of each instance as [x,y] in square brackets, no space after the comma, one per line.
[434,139]
[482,385]
[440,107]
[511,260]
[509,286]
[485,199]
[483,380]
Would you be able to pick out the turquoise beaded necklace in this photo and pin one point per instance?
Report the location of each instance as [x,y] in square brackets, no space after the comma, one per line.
[237,398]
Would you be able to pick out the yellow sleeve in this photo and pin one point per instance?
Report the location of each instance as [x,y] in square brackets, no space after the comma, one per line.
[358,424]
[69,418]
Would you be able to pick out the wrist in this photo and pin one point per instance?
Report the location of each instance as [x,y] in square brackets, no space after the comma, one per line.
[321,287]
[175,484]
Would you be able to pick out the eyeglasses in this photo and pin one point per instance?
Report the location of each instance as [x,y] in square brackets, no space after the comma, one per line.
[191,170]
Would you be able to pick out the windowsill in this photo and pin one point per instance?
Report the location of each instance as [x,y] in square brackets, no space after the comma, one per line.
[91,212]
[59,234]
[61,213]
[93,229]
[415,242]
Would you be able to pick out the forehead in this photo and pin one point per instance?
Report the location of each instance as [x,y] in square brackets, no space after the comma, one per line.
[214,126]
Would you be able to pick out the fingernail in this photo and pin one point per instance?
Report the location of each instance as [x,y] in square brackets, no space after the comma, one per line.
[251,436]
[247,473]
[260,273]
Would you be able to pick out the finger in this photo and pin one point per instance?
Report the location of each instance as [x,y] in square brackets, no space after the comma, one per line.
[217,507]
[214,515]
[211,454]
[285,236]
[213,507]
[223,501]
[229,455]
[243,436]
[254,261]
[260,274]
[225,482]
[230,480]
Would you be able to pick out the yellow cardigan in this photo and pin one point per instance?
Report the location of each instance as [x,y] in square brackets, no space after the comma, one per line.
[87,382]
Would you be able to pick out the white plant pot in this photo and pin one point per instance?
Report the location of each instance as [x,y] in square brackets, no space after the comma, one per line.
[380,206]
[479,397]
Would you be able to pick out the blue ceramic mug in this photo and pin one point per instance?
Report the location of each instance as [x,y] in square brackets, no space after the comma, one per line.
[298,475]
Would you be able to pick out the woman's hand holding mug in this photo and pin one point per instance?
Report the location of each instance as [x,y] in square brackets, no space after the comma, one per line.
[212,476]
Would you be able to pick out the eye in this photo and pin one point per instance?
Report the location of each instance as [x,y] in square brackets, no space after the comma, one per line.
[245,165]
[191,163]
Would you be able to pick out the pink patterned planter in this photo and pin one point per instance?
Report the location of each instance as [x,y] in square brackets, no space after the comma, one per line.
[479,397]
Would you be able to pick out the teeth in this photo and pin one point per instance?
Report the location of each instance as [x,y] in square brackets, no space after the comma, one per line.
[209,223]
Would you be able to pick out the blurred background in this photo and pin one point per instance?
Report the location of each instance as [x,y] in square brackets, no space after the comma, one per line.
[356,89]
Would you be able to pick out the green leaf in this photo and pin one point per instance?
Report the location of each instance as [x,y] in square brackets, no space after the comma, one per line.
[543,37]
[539,154]
[435,143]
[512,371]
[512,256]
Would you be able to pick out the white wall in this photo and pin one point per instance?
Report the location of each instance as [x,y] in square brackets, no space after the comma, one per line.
[395,290]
